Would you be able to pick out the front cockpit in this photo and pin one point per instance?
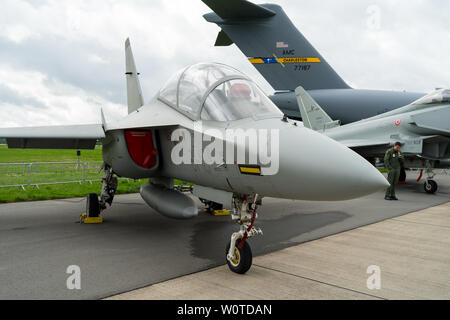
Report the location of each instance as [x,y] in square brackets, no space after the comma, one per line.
[212,91]
[441,96]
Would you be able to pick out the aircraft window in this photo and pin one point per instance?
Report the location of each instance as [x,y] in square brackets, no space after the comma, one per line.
[170,90]
[237,99]
[437,97]
[186,89]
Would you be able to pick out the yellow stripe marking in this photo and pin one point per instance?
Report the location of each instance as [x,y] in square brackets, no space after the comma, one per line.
[256,61]
[250,170]
[300,60]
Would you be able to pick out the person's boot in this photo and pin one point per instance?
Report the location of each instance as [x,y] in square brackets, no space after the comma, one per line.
[387,198]
[394,198]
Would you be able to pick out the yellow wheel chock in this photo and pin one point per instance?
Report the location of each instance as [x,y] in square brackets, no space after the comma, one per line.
[218,213]
[84,219]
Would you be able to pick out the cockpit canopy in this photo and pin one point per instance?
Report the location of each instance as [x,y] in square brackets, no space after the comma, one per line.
[441,96]
[212,91]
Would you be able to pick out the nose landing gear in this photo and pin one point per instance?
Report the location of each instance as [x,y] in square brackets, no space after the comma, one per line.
[430,186]
[238,253]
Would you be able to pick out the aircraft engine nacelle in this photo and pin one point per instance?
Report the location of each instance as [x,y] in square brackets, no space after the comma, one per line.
[168,202]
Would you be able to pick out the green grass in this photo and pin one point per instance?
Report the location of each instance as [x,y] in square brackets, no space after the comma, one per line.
[63,191]
[59,191]
[37,155]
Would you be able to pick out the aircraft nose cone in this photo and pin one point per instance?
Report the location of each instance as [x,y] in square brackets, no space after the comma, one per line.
[318,168]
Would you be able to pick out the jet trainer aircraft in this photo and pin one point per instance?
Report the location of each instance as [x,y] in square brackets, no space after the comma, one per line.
[184,133]
[422,126]
[286,59]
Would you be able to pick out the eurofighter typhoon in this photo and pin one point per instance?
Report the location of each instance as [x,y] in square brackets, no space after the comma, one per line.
[212,126]
[423,127]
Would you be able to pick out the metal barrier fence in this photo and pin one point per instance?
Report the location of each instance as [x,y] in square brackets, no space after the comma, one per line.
[44,173]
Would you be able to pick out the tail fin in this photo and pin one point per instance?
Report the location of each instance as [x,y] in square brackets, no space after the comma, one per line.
[134,92]
[274,46]
[312,114]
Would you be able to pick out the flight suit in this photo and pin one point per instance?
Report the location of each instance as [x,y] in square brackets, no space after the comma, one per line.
[393,161]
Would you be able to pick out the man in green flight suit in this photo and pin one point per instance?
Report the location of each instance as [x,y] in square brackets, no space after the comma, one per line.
[393,161]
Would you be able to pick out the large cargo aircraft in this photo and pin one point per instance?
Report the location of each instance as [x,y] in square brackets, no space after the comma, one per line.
[286,59]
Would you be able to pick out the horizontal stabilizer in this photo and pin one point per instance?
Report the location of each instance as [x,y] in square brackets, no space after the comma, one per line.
[313,116]
[223,40]
[54,137]
[238,9]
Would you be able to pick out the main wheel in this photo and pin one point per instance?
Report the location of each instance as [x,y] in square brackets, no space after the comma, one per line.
[243,261]
[430,187]
[216,206]
[92,205]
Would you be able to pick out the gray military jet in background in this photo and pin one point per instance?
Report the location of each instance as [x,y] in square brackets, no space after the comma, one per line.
[286,59]
[190,118]
[422,126]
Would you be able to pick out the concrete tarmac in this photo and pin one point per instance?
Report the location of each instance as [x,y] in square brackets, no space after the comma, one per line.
[410,252]
[137,247]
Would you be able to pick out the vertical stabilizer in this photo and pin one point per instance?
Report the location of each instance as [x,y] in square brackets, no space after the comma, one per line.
[272,43]
[312,114]
[134,92]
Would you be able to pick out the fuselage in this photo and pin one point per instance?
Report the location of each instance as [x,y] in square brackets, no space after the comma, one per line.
[347,105]
[303,157]
[424,131]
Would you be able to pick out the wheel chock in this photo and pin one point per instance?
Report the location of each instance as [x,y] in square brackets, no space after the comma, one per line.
[219,213]
[84,219]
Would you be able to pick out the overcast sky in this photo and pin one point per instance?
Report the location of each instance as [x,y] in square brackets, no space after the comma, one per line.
[61,60]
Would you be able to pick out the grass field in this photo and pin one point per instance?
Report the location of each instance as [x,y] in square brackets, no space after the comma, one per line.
[57,191]
[63,191]
[35,155]
[60,191]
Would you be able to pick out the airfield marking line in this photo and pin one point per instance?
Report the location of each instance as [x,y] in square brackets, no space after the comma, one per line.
[319,281]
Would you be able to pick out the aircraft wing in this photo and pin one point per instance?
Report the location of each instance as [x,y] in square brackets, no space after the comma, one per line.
[54,137]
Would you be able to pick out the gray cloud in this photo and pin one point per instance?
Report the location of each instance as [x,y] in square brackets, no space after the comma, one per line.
[77,47]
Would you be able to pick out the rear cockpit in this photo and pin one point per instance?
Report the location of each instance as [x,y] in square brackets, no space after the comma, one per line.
[212,91]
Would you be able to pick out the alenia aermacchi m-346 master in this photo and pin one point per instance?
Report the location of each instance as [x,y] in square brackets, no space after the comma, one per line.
[423,127]
[212,126]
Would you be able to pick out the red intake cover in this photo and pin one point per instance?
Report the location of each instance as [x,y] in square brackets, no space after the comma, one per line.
[141,149]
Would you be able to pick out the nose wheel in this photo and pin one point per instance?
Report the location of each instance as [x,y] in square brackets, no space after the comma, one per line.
[242,260]
[430,186]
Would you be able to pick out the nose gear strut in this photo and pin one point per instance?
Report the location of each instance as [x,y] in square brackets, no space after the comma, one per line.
[239,254]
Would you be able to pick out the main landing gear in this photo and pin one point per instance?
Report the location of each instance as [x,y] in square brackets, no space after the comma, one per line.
[94,204]
[238,252]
